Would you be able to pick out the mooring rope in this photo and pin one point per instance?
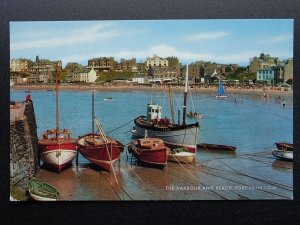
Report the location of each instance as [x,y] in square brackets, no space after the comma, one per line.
[119,126]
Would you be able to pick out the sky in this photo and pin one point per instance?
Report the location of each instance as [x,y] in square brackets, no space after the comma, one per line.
[221,41]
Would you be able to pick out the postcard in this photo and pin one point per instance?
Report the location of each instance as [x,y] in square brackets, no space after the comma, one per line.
[129,110]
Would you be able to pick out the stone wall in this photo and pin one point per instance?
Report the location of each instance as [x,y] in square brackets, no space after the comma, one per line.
[23,151]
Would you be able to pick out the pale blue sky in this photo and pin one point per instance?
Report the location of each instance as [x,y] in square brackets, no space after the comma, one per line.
[221,41]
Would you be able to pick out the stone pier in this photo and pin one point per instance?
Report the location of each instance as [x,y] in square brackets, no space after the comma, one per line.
[24,162]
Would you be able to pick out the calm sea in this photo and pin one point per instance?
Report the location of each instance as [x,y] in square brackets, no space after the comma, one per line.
[250,123]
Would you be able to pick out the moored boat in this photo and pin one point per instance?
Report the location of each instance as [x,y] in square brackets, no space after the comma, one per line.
[99,149]
[173,134]
[42,191]
[151,151]
[205,146]
[181,155]
[284,146]
[109,99]
[194,115]
[283,154]
[57,148]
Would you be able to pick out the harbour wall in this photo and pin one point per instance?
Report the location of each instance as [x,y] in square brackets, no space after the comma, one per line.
[24,161]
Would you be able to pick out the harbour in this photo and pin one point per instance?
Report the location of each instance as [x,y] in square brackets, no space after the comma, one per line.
[251,172]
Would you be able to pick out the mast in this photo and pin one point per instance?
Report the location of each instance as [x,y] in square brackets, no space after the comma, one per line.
[93,114]
[171,104]
[56,93]
[185,95]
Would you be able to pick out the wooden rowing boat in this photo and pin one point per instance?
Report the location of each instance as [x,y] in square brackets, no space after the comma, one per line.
[284,146]
[150,151]
[205,146]
[181,155]
[42,191]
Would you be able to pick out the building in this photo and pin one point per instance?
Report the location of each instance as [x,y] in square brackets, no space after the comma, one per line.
[156,61]
[102,64]
[87,76]
[164,73]
[20,65]
[267,76]
[126,65]
[45,66]
[139,78]
[288,70]
[264,61]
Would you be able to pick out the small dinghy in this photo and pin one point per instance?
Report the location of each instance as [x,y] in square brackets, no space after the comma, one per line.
[283,154]
[150,151]
[181,155]
[109,99]
[284,146]
[41,191]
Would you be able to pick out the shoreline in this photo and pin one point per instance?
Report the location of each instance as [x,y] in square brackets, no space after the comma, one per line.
[196,89]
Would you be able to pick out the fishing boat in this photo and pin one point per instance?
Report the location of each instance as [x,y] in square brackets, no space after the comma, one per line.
[109,99]
[99,149]
[221,91]
[181,155]
[193,115]
[173,134]
[283,154]
[42,191]
[284,146]
[57,148]
[205,146]
[151,151]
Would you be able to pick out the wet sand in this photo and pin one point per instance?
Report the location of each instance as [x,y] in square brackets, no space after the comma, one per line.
[214,176]
[272,91]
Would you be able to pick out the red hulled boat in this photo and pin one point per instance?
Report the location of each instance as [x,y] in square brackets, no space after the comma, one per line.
[99,149]
[151,151]
[57,148]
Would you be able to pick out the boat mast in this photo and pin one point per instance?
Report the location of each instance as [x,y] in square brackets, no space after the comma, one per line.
[93,114]
[185,95]
[56,93]
[171,104]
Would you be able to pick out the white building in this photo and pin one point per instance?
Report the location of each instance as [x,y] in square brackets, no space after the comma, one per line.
[139,80]
[43,78]
[88,77]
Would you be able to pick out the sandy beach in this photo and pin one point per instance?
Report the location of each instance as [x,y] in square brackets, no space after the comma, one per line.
[272,91]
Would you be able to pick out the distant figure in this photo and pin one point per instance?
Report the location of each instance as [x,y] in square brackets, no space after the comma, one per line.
[28,98]
[265,96]
[235,100]
[279,97]
[283,104]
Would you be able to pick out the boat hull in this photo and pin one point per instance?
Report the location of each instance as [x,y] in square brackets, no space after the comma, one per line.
[57,155]
[103,155]
[205,146]
[185,136]
[283,154]
[40,198]
[157,157]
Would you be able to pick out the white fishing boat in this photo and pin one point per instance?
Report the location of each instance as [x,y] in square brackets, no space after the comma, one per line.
[283,154]
[173,134]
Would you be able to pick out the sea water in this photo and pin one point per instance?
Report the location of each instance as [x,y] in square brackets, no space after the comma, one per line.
[246,121]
